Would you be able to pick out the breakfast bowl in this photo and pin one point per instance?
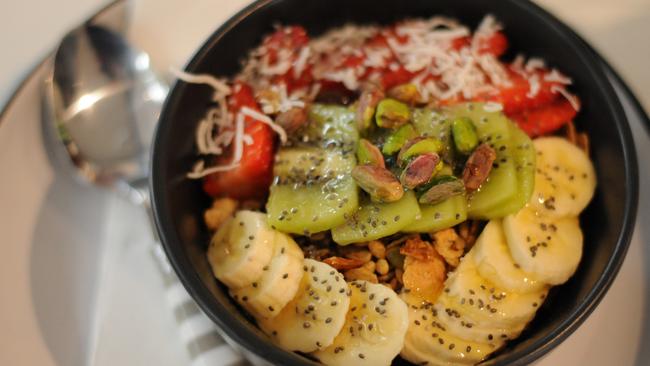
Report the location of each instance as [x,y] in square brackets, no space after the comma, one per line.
[607,222]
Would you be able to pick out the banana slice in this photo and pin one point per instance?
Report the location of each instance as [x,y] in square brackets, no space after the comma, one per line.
[450,314]
[565,179]
[428,342]
[495,263]
[374,328]
[316,315]
[548,248]
[485,304]
[279,282]
[241,248]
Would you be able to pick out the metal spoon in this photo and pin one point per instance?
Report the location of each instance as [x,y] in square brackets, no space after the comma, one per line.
[101,104]
[104,102]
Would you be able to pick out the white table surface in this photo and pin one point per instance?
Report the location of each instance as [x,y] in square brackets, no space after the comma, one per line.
[618,29]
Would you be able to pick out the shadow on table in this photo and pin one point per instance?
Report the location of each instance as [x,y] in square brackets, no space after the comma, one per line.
[65,263]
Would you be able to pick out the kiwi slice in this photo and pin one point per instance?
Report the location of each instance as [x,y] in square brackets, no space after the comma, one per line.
[312,190]
[377,220]
[330,127]
[523,155]
[433,123]
[492,128]
[447,213]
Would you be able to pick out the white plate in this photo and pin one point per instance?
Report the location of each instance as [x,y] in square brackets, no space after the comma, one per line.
[79,287]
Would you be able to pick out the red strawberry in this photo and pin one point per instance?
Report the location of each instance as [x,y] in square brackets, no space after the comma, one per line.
[515,99]
[496,44]
[251,179]
[545,119]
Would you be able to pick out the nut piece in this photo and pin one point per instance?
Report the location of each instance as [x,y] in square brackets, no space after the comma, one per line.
[464,134]
[343,263]
[405,93]
[292,119]
[478,166]
[366,108]
[367,153]
[417,248]
[392,113]
[419,146]
[382,267]
[363,255]
[377,249]
[419,170]
[378,182]
[360,274]
[370,266]
[397,139]
[449,245]
[443,187]
[424,277]
[221,210]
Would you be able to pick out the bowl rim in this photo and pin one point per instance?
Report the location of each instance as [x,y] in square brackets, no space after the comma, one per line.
[233,329]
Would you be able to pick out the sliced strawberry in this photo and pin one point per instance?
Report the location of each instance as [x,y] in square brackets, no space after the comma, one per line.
[391,78]
[496,44]
[252,178]
[545,119]
[515,98]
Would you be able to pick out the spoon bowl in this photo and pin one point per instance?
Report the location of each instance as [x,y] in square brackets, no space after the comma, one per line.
[104,102]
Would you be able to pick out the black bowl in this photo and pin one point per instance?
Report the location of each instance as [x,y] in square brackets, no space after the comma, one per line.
[608,222]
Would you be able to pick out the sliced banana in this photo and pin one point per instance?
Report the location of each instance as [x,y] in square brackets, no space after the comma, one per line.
[316,315]
[548,248]
[565,179]
[241,248]
[494,262]
[485,304]
[451,315]
[428,342]
[374,328]
[279,283]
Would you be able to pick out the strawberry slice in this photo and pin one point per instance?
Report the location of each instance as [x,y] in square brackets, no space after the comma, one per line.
[391,78]
[252,178]
[515,98]
[496,44]
[291,39]
[545,119]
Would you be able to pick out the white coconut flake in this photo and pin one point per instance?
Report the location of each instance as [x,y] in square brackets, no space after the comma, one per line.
[572,99]
[554,76]
[219,86]
[492,107]
[535,86]
[534,63]
[199,171]
[267,120]
[301,62]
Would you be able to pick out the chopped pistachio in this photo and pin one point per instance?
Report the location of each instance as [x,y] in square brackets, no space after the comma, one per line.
[442,188]
[420,170]
[464,134]
[419,146]
[378,182]
[366,107]
[397,139]
[406,93]
[367,153]
[392,113]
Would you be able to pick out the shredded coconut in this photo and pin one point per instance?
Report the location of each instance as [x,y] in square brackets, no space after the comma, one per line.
[572,99]
[555,76]
[492,107]
[265,119]
[219,86]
